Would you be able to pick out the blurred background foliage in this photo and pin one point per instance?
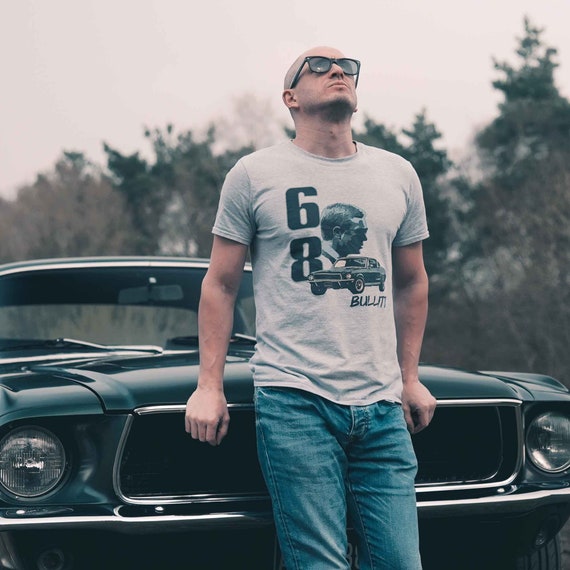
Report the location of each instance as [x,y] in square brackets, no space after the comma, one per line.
[499,252]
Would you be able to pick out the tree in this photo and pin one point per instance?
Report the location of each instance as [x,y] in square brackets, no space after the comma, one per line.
[534,118]
[381,136]
[527,142]
[71,211]
[192,176]
[172,198]
[431,164]
[142,195]
[508,308]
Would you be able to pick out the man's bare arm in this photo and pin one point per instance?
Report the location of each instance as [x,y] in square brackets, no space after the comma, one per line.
[207,417]
[410,310]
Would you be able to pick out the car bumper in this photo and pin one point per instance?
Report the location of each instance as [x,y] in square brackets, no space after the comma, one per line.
[506,500]
[515,520]
[134,519]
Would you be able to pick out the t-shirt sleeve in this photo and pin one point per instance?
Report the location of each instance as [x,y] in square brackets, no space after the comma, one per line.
[414,227]
[234,219]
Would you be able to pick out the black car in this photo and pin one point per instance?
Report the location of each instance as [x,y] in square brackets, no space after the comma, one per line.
[353,272]
[97,359]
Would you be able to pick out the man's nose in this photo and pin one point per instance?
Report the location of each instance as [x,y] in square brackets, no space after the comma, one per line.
[336,69]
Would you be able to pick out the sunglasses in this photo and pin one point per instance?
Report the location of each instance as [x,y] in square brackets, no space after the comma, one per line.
[321,64]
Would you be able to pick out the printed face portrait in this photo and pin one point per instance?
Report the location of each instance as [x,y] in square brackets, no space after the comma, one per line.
[349,238]
[343,228]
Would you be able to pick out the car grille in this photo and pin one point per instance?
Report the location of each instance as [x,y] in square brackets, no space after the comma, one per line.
[329,277]
[470,444]
[161,460]
[464,445]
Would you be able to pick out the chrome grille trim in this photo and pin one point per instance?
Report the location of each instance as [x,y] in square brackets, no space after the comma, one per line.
[480,402]
[169,408]
[118,456]
[421,489]
[180,408]
[494,402]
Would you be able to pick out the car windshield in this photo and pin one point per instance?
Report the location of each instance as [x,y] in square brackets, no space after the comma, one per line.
[342,262]
[110,305]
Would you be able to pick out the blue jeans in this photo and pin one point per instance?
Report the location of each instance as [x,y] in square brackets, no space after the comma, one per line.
[324,464]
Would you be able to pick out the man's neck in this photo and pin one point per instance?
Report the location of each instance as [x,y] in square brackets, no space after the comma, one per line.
[325,139]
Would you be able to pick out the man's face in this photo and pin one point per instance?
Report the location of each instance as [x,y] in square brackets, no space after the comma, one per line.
[331,88]
[351,240]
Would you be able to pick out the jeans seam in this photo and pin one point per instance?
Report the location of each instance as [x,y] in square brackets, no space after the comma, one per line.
[277,496]
[361,522]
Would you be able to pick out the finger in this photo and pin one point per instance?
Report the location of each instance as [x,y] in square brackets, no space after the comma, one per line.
[209,434]
[222,430]
[216,432]
[199,429]
[194,430]
[188,422]
[409,419]
[422,419]
[203,432]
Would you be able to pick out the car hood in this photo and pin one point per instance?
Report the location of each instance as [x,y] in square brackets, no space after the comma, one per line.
[124,383]
[32,394]
[333,271]
[452,383]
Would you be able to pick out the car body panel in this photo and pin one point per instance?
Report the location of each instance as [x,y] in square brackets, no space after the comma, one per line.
[354,272]
[125,383]
[39,393]
[99,399]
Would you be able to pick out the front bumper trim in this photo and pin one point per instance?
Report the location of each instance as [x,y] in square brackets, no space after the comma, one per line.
[141,522]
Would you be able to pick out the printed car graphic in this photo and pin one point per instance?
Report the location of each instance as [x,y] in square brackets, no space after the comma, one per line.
[353,272]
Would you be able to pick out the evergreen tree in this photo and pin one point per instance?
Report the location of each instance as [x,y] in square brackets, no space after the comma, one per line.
[142,192]
[509,308]
[172,198]
[431,164]
[534,118]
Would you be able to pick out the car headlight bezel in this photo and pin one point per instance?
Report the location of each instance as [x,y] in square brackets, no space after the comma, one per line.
[548,442]
[33,462]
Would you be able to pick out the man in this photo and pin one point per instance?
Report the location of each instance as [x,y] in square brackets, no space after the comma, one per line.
[336,382]
[343,229]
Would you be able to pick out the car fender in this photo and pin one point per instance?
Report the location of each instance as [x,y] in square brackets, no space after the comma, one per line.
[29,394]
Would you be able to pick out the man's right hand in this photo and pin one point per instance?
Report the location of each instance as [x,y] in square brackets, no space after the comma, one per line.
[207,417]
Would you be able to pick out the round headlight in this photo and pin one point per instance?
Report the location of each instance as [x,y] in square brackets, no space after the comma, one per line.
[548,442]
[32,461]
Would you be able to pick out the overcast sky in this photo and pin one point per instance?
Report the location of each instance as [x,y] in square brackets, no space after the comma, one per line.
[75,73]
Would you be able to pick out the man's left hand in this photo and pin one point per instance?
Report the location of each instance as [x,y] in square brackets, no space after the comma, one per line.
[418,405]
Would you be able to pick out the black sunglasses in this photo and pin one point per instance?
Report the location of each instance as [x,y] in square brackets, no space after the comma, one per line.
[321,64]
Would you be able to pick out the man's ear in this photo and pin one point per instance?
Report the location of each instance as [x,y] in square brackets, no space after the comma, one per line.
[289,99]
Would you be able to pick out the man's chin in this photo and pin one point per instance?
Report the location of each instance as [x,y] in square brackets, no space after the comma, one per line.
[341,106]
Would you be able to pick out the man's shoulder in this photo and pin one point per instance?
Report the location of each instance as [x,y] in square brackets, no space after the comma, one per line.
[263,154]
[266,162]
[384,155]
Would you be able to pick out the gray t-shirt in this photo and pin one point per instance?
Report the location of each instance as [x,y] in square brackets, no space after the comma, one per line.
[327,329]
